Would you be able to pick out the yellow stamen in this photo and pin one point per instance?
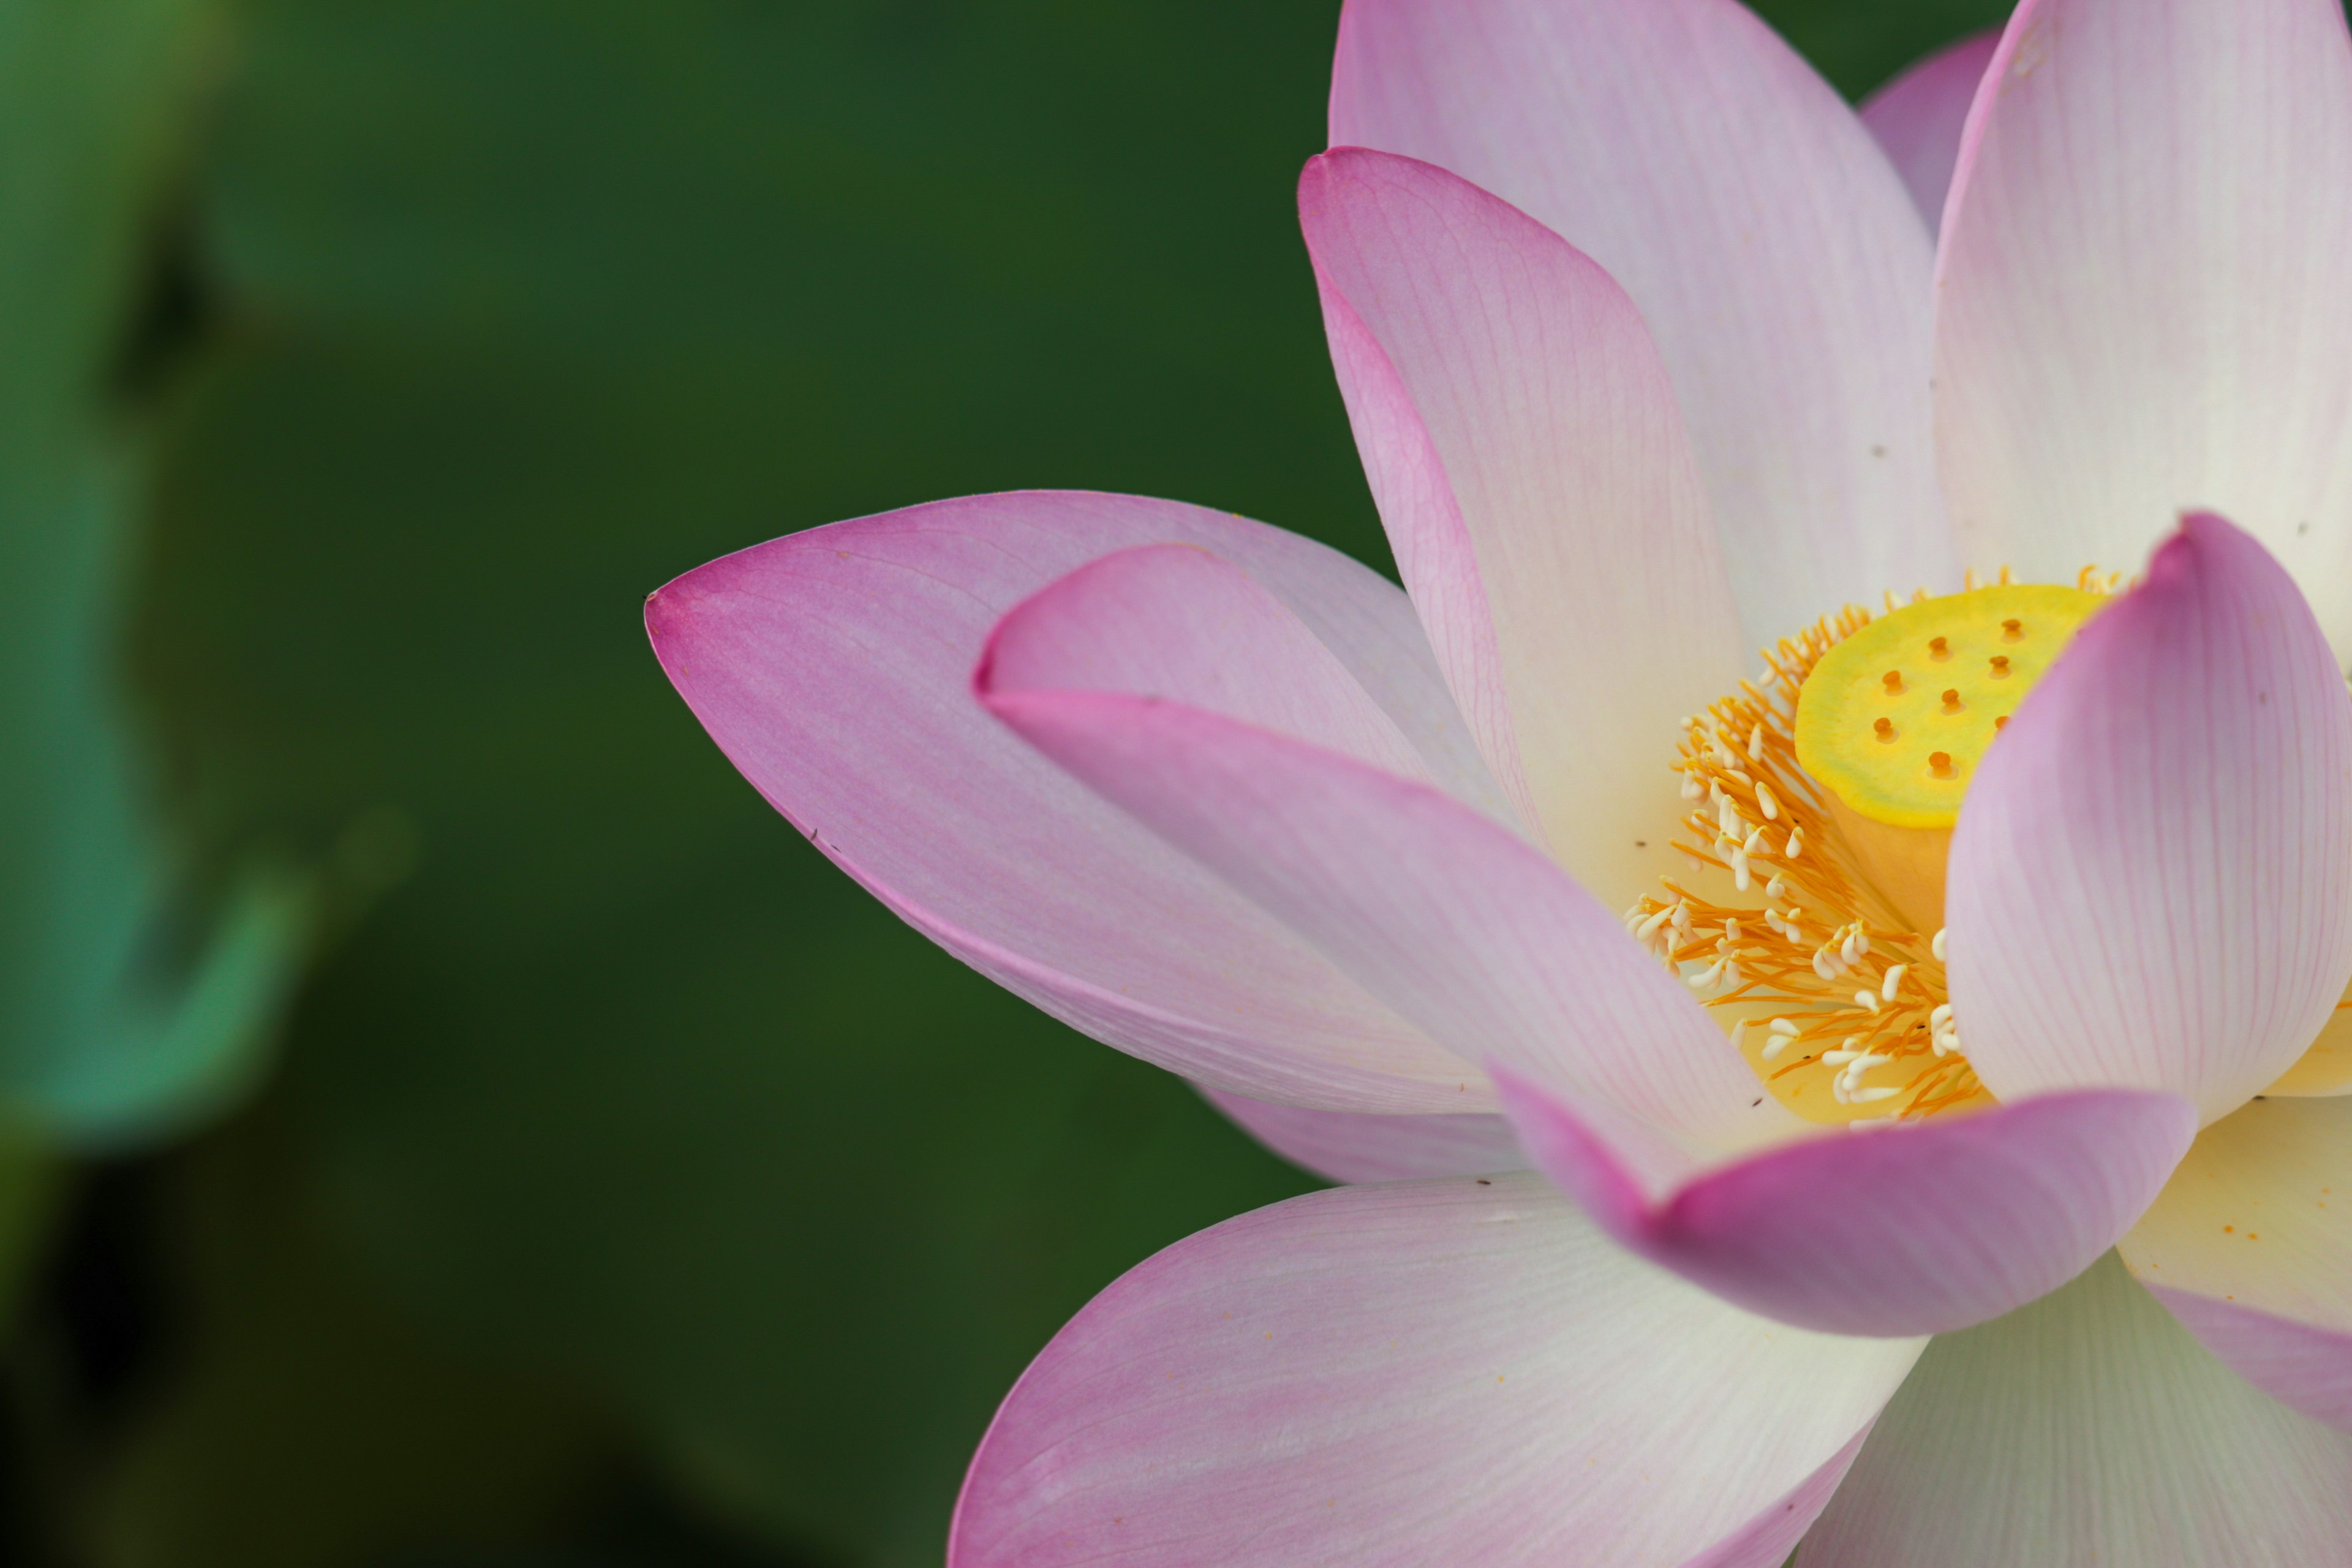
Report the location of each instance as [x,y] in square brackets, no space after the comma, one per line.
[1857,722]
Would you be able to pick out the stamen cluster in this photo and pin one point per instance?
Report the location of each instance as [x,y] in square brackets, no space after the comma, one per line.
[1852,1001]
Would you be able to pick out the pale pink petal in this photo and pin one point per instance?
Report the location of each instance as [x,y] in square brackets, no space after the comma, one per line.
[1772,1534]
[1464,928]
[1467,931]
[1767,243]
[2151,880]
[1351,1148]
[1174,622]
[2297,1363]
[2250,1245]
[1918,118]
[2140,299]
[1428,1375]
[1534,478]
[833,669]
[1426,535]
[1912,1229]
[2087,1428]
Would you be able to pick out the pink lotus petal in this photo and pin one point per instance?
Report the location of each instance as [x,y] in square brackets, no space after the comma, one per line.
[1918,118]
[2087,1428]
[1462,926]
[2250,1245]
[833,669]
[1773,1533]
[1426,535]
[1465,929]
[1915,1229]
[1349,1148]
[1174,622]
[1774,254]
[1430,1374]
[2151,880]
[2297,1363]
[2140,298]
[1541,493]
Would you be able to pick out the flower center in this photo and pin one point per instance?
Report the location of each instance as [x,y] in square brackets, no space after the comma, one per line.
[1825,792]
[1894,720]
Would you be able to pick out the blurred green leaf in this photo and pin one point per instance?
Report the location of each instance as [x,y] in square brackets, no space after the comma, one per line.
[529,305]
[306,1424]
[121,1016]
[29,1172]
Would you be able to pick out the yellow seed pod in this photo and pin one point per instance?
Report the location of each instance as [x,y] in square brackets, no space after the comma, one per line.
[1894,719]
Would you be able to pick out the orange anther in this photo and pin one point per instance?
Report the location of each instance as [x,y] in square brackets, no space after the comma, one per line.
[1884,728]
[1893,683]
[2001,667]
[2012,631]
[1952,701]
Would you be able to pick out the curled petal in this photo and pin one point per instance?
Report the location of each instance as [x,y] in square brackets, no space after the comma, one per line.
[2151,880]
[1902,1230]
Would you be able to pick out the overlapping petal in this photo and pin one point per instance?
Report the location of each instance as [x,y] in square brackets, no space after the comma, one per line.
[1916,1229]
[2250,1245]
[1464,928]
[1918,119]
[1539,490]
[1174,622]
[2088,1427]
[834,666]
[2139,301]
[1440,1373]
[2151,879]
[1769,244]
[1351,1148]
[1469,931]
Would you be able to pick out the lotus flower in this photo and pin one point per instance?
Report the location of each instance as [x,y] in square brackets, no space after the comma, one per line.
[1932,1186]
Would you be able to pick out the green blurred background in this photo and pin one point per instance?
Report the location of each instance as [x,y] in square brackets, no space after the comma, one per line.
[447,1119]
